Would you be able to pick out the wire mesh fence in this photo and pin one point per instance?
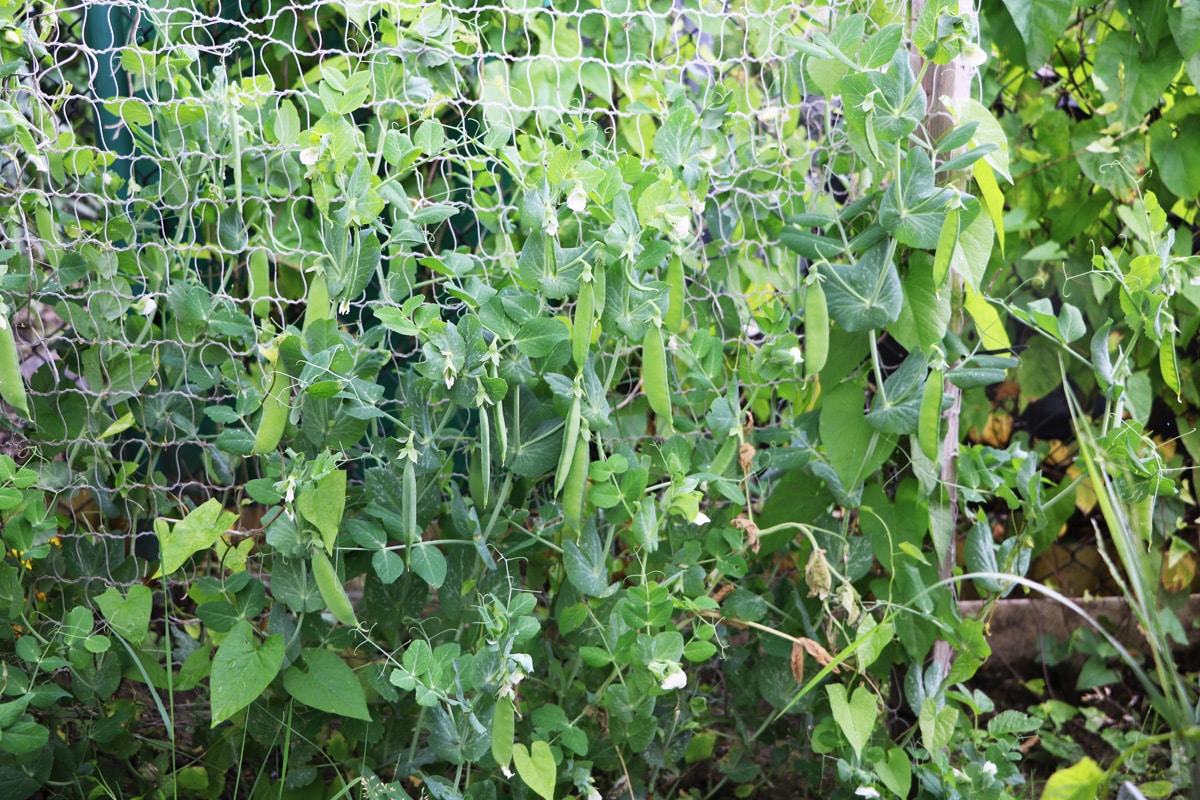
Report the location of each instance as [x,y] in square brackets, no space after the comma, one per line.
[188,169]
[183,171]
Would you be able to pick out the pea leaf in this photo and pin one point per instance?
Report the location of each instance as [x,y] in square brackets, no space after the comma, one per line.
[428,562]
[865,295]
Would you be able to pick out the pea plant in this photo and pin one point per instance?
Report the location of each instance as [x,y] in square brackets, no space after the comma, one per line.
[461,402]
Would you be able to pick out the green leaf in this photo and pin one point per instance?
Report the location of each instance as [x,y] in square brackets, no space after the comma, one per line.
[539,336]
[129,616]
[388,566]
[536,767]
[895,770]
[328,685]
[853,447]
[937,725]
[585,566]
[867,295]
[429,563]
[242,669]
[1177,166]
[1082,781]
[195,532]
[980,555]
[24,737]
[914,210]
[1040,23]
[1012,721]
[1130,77]
[881,47]
[856,716]
[323,504]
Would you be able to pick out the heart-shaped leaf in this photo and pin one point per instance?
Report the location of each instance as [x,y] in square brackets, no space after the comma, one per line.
[536,767]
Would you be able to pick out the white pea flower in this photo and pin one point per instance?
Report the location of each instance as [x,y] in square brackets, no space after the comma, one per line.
[973,55]
[669,673]
[866,791]
[577,199]
[797,355]
[989,768]
[681,225]
[146,306]
[309,156]
[508,773]
[701,518]
[594,793]
[551,225]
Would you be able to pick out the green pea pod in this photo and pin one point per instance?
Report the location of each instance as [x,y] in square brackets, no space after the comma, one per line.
[581,329]
[410,502]
[724,457]
[275,407]
[575,488]
[654,374]
[570,440]
[12,386]
[260,282]
[673,319]
[929,421]
[816,330]
[332,591]
[485,441]
[319,305]
[503,731]
[1168,363]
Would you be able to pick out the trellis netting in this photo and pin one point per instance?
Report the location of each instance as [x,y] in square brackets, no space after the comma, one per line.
[188,182]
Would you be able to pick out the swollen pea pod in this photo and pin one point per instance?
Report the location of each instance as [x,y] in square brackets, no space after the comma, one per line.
[260,282]
[673,319]
[575,487]
[929,421]
[12,387]
[485,441]
[411,532]
[319,305]
[332,591]
[570,440]
[275,406]
[654,374]
[816,329]
[581,328]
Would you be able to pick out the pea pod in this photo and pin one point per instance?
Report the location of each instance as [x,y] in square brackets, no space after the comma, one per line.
[929,421]
[816,329]
[275,407]
[570,439]
[319,305]
[654,374]
[575,488]
[410,502]
[260,281]
[332,591]
[1168,363]
[581,329]
[485,441]
[673,319]
[12,386]
[503,731]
